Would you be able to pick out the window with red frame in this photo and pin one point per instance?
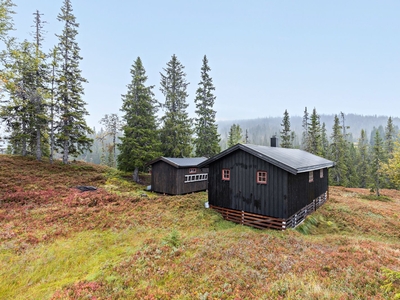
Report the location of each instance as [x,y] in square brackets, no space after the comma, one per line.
[226,174]
[192,170]
[261,177]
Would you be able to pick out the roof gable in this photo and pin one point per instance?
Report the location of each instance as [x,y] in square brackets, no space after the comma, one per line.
[179,162]
[291,160]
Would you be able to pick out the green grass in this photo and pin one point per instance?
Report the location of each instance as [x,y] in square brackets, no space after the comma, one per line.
[376,198]
[45,268]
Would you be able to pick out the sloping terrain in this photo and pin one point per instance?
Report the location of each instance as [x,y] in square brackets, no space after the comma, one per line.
[57,242]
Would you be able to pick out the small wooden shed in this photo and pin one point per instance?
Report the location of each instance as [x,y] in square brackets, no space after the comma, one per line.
[266,187]
[178,176]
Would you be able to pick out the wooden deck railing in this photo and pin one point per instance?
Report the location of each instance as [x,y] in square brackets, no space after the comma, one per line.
[263,222]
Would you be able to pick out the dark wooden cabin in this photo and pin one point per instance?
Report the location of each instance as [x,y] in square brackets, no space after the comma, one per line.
[266,187]
[178,176]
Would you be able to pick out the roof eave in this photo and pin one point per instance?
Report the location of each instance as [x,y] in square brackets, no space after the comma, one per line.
[316,167]
[162,158]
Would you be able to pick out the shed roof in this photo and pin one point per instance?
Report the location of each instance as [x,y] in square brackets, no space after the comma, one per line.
[291,160]
[179,162]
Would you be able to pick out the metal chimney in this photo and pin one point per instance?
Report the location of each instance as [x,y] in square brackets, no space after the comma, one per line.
[273,141]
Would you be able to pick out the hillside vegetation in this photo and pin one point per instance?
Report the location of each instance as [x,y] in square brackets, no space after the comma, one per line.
[57,242]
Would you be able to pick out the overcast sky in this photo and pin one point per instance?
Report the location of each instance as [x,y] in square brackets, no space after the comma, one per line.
[265,56]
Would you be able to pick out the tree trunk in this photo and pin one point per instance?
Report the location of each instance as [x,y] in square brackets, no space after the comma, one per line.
[23,138]
[65,154]
[136,175]
[52,134]
[37,101]
[38,144]
[377,189]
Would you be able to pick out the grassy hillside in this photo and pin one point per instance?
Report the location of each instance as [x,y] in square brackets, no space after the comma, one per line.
[59,243]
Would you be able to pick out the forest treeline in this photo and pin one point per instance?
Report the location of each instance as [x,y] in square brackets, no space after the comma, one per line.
[369,158]
[43,114]
[43,111]
[365,148]
[42,106]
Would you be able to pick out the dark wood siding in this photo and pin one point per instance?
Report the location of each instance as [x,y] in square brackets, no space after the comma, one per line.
[163,178]
[171,180]
[189,187]
[242,192]
[302,192]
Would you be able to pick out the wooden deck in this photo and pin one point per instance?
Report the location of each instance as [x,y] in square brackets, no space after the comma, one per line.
[263,222]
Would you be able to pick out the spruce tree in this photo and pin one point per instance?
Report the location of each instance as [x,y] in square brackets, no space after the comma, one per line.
[286,134]
[344,127]
[324,141]
[305,141]
[72,128]
[377,157]
[235,135]
[40,90]
[338,154]
[363,159]
[139,143]
[314,140]
[207,137]
[176,131]
[389,138]
[54,63]
[18,111]
[352,176]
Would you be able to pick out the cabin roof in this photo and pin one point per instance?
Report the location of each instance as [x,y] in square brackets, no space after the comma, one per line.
[179,162]
[291,160]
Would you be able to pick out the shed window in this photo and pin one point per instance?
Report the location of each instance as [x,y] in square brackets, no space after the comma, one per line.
[262,177]
[194,178]
[321,173]
[226,174]
[311,176]
[192,170]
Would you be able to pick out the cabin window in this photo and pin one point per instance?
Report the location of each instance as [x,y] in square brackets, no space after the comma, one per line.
[197,177]
[311,176]
[321,173]
[192,170]
[226,174]
[262,177]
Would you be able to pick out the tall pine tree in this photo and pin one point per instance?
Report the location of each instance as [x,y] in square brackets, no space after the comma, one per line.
[338,154]
[207,137]
[176,131]
[235,135]
[324,141]
[39,90]
[18,111]
[377,158]
[287,136]
[314,134]
[72,128]
[305,141]
[389,137]
[363,159]
[139,143]
[54,63]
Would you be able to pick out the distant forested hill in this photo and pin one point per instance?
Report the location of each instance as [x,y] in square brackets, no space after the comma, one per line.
[260,130]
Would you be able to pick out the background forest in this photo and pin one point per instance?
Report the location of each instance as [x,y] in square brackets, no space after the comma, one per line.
[42,111]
